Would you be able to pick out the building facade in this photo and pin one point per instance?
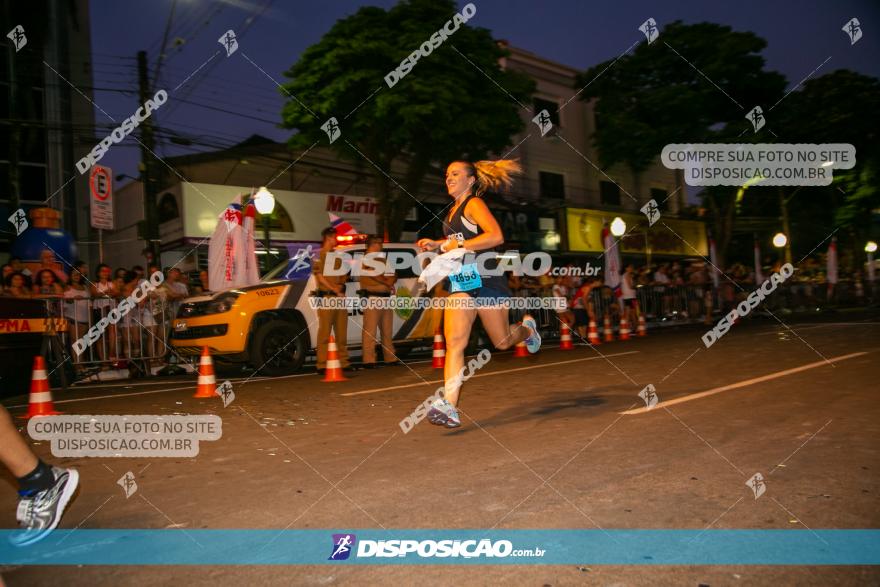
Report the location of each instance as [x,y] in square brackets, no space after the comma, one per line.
[45,124]
[559,204]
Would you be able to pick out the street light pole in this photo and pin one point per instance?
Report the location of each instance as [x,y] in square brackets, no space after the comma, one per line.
[265,203]
[870,249]
[780,240]
[783,206]
[267,265]
[149,175]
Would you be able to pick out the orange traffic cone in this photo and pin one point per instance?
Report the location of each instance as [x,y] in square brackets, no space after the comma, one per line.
[40,401]
[593,334]
[624,328]
[609,334]
[521,350]
[643,328]
[333,372]
[439,351]
[207,385]
[565,338]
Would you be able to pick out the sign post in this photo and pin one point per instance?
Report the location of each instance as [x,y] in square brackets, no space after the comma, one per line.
[101,203]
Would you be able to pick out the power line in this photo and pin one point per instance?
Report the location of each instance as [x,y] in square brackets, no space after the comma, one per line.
[191,34]
[192,14]
[273,122]
[241,33]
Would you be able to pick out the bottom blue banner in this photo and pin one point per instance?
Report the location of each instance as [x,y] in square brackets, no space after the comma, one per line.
[446,547]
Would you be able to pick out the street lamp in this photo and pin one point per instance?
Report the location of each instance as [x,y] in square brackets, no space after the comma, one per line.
[618,226]
[870,249]
[264,201]
[779,240]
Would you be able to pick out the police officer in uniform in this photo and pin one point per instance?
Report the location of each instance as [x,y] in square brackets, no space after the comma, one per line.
[375,288]
[330,286]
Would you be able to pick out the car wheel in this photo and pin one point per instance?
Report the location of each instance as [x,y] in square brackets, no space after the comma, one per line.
[279,347]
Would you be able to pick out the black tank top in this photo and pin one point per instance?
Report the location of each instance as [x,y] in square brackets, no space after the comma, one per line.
[457,226]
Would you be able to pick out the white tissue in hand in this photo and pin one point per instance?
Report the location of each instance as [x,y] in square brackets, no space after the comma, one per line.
[442,267]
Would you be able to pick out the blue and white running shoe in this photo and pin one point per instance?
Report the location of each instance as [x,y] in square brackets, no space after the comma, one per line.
[443,413]
[38,514]
[533,342]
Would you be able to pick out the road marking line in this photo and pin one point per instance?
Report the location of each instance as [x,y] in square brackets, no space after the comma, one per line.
[126,383]
[797,327]
[739,384]
[263,379]
[152,391]
[419,383]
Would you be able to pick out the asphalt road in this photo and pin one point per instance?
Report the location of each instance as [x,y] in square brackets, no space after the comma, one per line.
[557,440]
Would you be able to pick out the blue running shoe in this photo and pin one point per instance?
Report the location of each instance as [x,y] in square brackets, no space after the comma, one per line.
[443,413]
[39,514]
[533,342]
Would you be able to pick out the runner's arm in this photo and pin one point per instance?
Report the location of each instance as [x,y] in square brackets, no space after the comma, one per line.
[492,236]
[427,244]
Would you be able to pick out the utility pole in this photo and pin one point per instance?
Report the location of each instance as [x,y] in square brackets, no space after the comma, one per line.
[149,176]
[786,227]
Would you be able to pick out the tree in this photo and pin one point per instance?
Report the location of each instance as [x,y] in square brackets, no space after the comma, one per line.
[653,97]
[444,108]
[839,107]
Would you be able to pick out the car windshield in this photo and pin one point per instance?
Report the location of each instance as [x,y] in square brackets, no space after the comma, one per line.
[277,272]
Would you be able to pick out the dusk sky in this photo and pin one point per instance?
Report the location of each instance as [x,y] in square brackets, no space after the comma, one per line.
[231,99]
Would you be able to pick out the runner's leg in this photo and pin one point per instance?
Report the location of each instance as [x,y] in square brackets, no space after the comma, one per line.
[14,451]
[503,334]
[457,324]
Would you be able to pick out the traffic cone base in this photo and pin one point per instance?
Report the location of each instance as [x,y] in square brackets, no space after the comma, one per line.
[624,328]
[593,334]
[207,384]
[40,400]
[333,370]
[609,334]
[565,343]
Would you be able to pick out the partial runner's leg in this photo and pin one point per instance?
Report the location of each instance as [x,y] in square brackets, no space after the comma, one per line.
[503,334]
[14,451]
[44,491]
[457,325]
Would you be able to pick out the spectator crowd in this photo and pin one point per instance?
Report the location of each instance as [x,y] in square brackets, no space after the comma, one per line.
[83,297]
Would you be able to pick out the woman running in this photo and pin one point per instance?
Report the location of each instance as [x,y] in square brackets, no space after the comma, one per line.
[470,225]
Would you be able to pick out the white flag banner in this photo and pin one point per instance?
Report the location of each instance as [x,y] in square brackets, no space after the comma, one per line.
[759,276]
[871,268]
[612,261]
[831,266]
[713,259]
[227,265]
[252,268]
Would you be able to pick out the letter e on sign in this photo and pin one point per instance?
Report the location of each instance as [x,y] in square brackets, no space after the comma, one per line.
[101,188]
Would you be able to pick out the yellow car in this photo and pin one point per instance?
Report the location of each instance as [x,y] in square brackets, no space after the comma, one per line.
[272,327]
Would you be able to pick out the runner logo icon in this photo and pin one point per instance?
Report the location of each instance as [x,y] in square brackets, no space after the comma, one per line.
[343,544]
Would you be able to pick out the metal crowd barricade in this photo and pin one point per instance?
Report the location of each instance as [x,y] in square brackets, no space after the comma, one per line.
[138,339]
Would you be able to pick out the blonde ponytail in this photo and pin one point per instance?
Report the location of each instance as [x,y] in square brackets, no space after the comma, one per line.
[494,175]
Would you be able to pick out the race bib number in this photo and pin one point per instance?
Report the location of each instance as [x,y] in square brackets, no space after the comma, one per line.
[466,279]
